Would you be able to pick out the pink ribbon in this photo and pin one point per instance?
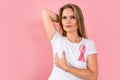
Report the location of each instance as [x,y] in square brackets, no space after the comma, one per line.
[82,50]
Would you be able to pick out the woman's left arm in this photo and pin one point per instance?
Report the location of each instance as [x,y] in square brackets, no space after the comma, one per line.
[90,73]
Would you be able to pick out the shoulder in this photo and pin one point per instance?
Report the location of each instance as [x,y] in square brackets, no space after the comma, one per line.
[57,37]
[90,46]
[88,41]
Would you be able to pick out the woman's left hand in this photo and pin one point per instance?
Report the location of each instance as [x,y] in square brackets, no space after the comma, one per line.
[61,63]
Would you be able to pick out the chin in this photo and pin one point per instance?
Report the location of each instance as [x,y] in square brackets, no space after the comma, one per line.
[69,31]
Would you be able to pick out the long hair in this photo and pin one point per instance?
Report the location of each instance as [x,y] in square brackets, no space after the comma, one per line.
[79,18]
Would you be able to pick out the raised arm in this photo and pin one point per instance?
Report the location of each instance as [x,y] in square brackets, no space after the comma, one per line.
[48,18]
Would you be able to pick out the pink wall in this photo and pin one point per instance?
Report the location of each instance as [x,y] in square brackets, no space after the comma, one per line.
[25,52]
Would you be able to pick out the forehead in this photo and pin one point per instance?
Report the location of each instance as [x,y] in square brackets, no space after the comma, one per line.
[67,11]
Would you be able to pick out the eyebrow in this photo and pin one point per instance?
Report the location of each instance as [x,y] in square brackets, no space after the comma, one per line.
[69,15]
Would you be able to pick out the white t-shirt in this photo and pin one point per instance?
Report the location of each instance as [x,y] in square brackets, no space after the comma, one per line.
[72,54]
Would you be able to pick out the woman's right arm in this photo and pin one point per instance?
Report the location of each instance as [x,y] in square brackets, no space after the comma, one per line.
[48,17]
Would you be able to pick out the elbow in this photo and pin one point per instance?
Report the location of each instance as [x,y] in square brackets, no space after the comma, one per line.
[44,13]
[94,76]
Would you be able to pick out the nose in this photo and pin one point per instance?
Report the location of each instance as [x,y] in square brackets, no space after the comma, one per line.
[68,20]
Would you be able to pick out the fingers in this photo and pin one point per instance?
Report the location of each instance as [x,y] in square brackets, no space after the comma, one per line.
[56,56]
[60,62]
[63,55]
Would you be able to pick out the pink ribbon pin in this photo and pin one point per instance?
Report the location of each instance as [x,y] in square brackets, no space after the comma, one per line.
[82,50]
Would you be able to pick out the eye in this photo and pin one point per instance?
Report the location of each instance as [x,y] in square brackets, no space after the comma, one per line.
[72,17]
[64,17]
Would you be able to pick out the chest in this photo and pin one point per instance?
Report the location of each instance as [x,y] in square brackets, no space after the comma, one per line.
[73,54]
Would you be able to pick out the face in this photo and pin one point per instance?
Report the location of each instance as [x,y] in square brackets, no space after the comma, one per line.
[69,21]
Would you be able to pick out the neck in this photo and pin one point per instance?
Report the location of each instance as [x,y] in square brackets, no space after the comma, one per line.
[75,38]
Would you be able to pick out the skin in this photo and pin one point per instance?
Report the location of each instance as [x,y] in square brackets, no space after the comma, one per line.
[68,19]
[70,26]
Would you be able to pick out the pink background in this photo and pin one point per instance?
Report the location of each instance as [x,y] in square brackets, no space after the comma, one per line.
[25,51]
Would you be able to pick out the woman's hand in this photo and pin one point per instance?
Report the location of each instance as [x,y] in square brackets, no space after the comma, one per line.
[86,74]
[61,63]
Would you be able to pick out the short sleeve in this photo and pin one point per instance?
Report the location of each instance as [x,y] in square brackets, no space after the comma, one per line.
[57,37]
[91,48]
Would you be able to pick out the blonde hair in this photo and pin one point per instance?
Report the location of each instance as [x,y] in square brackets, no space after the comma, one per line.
[79,18]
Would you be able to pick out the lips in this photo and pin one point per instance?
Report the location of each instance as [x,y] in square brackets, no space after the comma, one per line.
[68,26]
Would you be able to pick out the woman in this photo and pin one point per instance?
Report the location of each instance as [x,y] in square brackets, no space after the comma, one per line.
[74,54]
